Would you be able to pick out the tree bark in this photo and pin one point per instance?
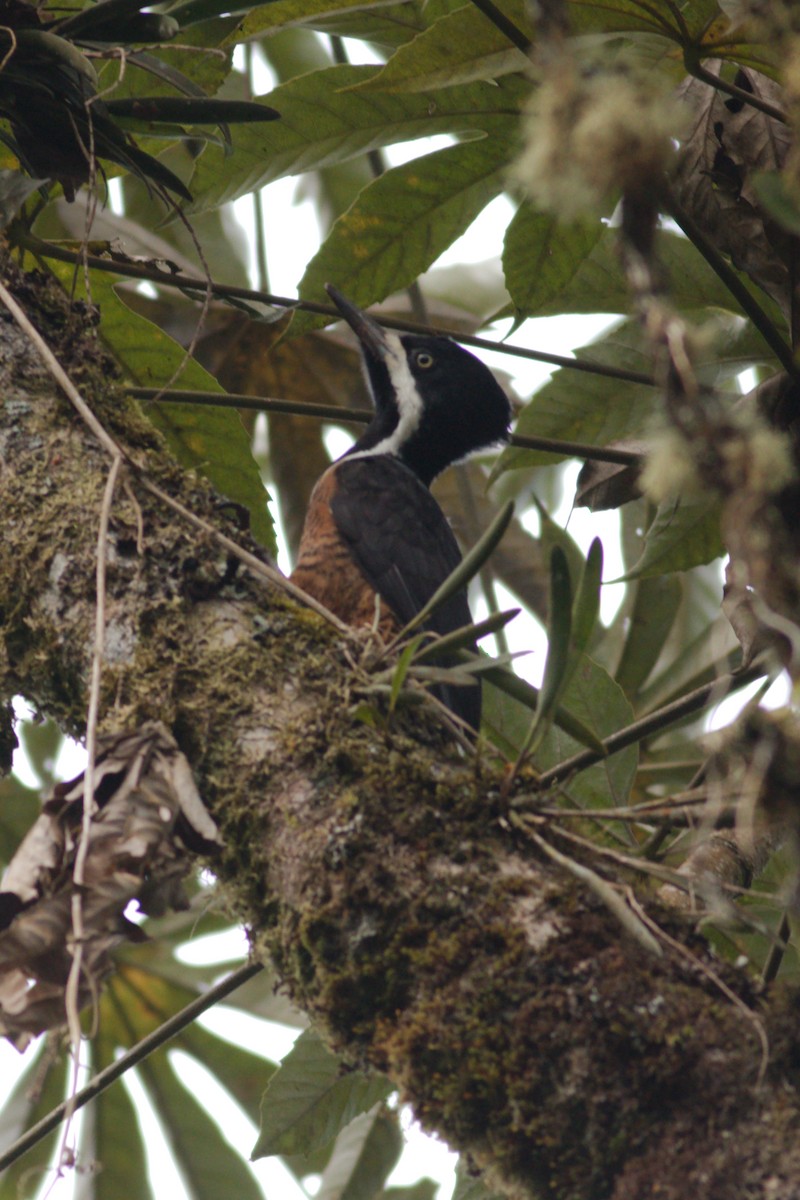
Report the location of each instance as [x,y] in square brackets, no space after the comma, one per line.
[424,931]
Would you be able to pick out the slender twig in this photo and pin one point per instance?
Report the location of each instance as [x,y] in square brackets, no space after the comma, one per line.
[730,89]
[654,722]
[167,1030]
[294,408]
[228,291]
[737,288]
[362,416]
[777,951]
[506,26]
[72,988]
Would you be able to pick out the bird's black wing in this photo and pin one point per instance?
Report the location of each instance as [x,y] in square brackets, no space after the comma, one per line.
[405,548]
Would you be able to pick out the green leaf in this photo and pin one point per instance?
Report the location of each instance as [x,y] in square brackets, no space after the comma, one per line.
[190,110]
[597,282]
[208,439]
[541,257]
[190,69]
[596,409]
[508,702]
[466,637]
[401,670]
[460,47]
[593,697]
[365,1154]
[559,633]
[324,123]
[552,534]
[586,608]
[204,1156]
[331,16]
[403,221]
[655,607]
[622,16]
[682,535]
[241,1072]
[309,1099]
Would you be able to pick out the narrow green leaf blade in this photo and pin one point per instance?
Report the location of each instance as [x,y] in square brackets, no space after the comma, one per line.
[466,637]
[558,647]
[586,608]
[110,1135]
[401,670]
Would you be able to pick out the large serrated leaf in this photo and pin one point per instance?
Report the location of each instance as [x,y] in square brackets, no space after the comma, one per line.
[322,122]
[623,16]
[597,283]
[682,535]
[460,47]
[581,407]
[542,255]
[365,1154]
[310,1100]
[595,699]
[403,221]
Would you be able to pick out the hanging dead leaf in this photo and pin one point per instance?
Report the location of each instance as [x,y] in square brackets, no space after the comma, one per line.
[727,143]
[149,817]
[603,485]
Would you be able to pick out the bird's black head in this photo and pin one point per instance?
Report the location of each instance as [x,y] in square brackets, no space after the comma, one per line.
[435,403]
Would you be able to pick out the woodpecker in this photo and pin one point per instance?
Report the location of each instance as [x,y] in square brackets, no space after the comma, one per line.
[373,528]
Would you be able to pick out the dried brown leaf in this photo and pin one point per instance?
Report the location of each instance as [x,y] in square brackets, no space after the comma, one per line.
[604,485]
[149,814]
[727,143]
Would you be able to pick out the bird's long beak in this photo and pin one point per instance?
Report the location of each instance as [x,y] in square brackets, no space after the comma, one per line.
[368,332]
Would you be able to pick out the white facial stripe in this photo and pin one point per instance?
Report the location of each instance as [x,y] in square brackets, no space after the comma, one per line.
[408,399]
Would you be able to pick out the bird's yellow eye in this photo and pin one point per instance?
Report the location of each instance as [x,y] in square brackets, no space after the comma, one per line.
[424,359]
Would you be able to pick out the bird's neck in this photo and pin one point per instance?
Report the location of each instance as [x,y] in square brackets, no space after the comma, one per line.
[424,453]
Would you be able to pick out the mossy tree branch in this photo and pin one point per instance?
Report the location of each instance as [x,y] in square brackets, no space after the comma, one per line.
[427,936]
